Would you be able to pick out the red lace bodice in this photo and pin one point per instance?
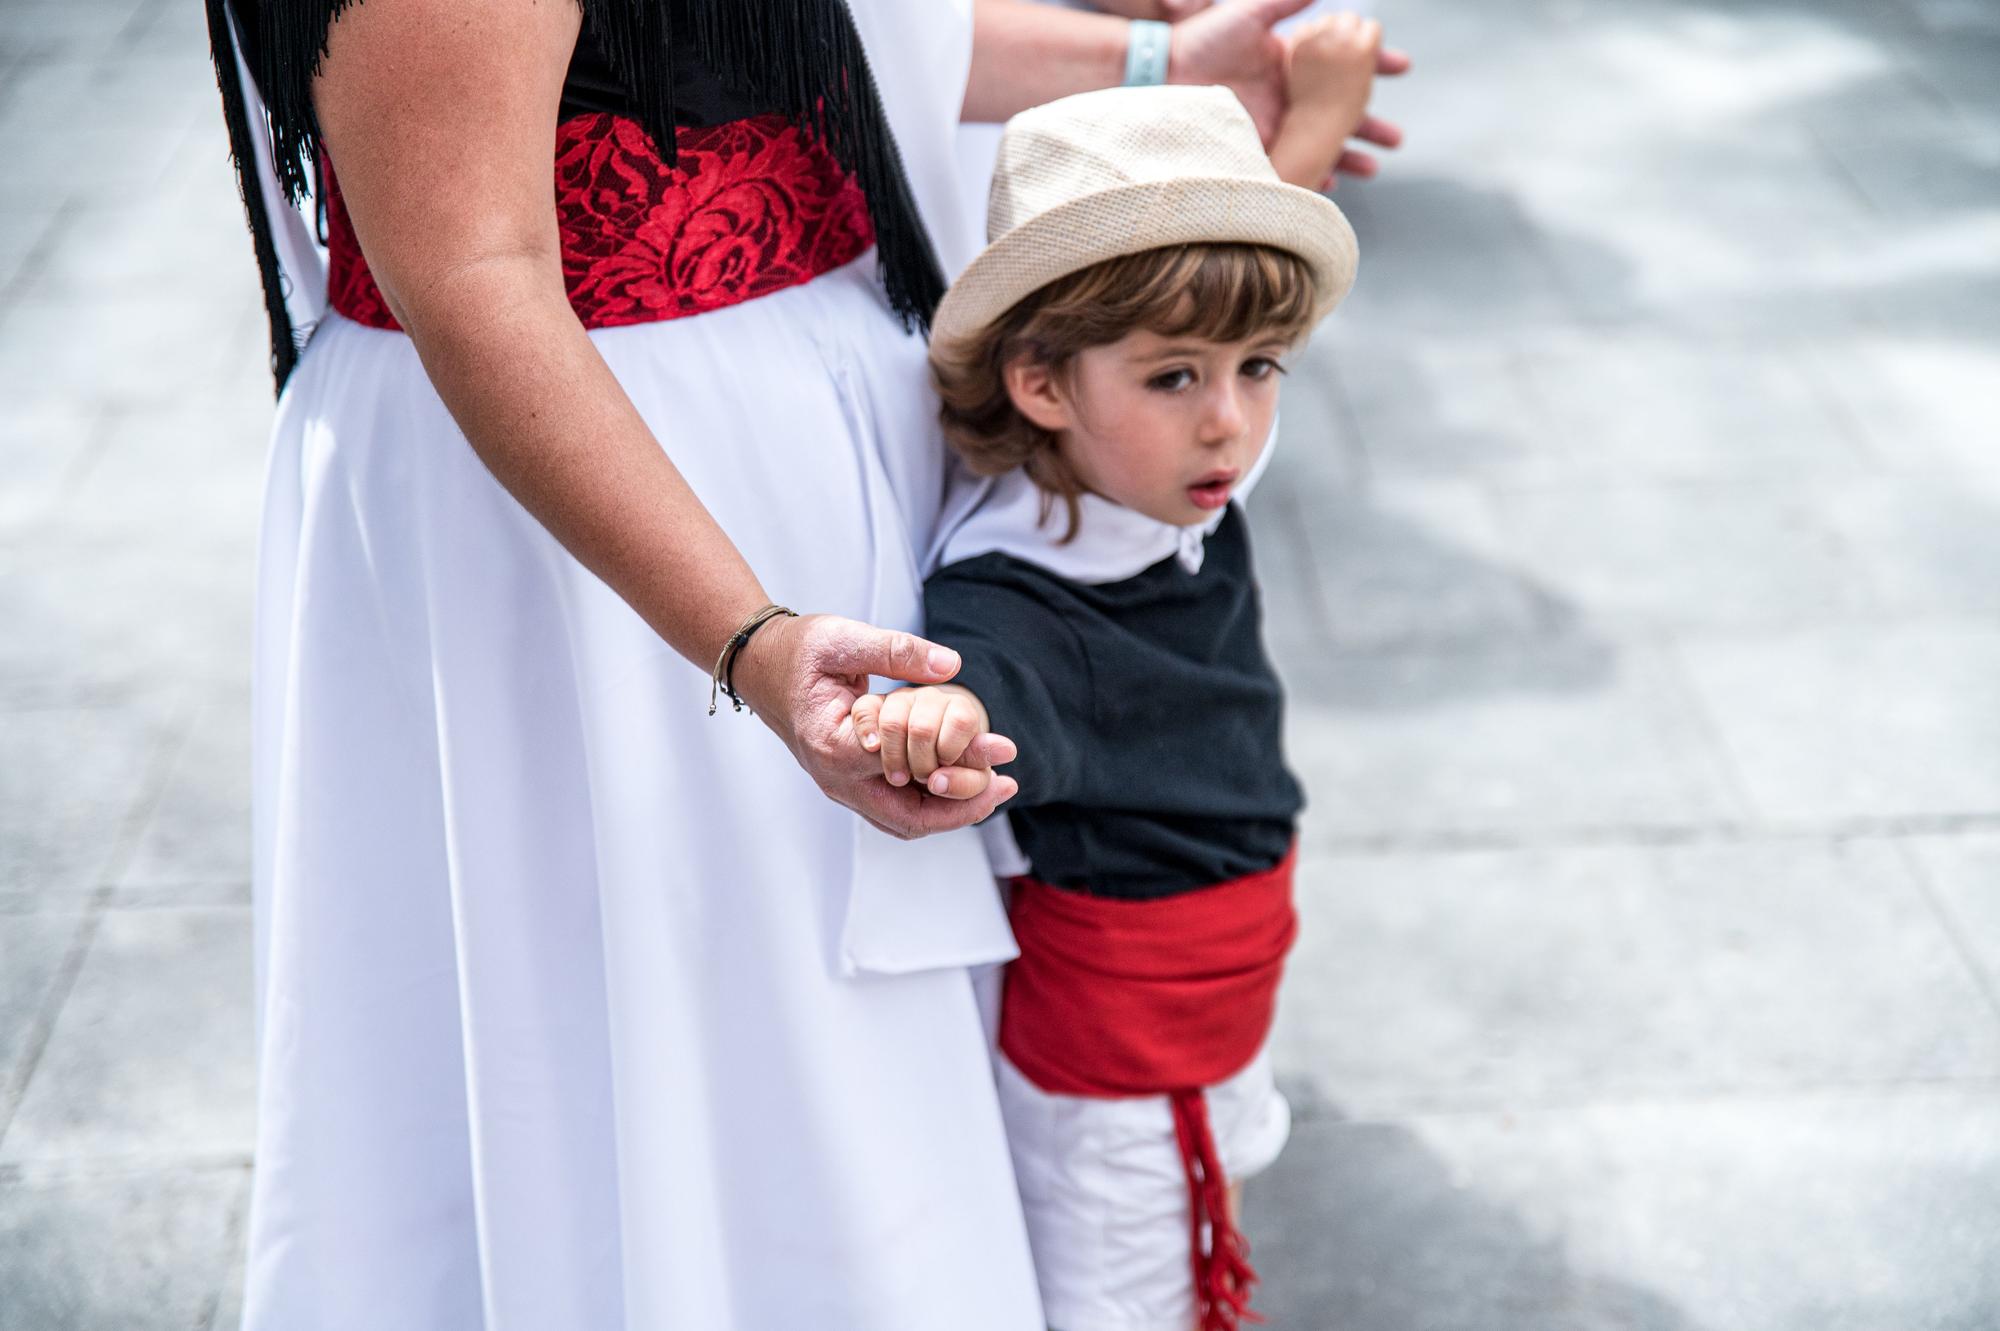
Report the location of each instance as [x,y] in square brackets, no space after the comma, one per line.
[754,206]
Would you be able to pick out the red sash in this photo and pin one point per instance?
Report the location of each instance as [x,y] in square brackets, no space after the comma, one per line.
[1116,998]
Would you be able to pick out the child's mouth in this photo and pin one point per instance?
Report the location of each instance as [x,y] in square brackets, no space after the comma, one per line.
[1211,494]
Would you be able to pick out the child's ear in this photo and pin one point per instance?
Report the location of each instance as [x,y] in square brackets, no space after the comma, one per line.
[1037,394]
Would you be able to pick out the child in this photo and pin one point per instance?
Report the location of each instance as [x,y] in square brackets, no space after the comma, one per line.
[1111,361]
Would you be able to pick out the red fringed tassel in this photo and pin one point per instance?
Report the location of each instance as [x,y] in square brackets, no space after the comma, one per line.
[1222,1272]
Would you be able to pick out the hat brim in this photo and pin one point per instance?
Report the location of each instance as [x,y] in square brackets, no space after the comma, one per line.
[1130,219]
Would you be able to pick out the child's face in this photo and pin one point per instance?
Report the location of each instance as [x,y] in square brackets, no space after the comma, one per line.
[1168,426]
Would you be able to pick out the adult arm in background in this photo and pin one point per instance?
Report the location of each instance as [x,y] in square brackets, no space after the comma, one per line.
[460,232]
[1167,11]
[1024,54]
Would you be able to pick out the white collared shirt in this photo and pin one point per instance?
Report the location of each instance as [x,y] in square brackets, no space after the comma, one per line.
[1010,514]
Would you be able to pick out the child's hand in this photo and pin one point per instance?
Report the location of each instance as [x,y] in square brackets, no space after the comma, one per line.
[1331,73]
[926,733]
[1331,64]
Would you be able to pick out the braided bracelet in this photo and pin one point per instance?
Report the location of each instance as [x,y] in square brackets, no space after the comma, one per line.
[723,678]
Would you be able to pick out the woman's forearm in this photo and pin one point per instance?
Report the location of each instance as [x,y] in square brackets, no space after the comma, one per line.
[444,128]
[460,233]
[1024,54]
[546,416]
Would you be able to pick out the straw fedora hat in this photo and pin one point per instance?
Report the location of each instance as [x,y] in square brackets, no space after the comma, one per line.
[1103,174]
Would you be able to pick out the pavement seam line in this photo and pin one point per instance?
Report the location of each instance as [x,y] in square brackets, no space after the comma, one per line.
[235,1239]
[1360,463]
[41,251]
[166,752]
[1300,548]
[1920,877]
[1724,760]
[1457,841]
[1316,1109]
[44,1025]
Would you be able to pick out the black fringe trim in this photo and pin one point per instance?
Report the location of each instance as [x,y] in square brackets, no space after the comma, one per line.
[242,148]
[802,59]
[291,44]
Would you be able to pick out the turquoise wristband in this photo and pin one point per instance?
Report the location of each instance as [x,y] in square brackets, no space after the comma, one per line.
[1146,53]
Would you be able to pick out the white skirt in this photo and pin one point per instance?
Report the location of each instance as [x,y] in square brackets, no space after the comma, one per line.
[580,1009]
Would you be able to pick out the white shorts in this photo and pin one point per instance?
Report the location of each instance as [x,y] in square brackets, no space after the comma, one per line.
[1107,1198]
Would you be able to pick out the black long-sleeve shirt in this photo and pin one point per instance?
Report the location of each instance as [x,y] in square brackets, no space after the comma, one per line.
[1146,711]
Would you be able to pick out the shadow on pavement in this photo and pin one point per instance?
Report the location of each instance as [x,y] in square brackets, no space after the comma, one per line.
[1360,1228]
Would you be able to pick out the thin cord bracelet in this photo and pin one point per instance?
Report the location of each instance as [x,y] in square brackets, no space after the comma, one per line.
[723,678]
[729,667]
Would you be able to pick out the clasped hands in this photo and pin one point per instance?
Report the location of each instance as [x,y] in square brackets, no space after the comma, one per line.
[1307,91]
[880,755]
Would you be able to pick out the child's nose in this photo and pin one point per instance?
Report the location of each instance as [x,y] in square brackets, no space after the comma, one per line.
[1224,420]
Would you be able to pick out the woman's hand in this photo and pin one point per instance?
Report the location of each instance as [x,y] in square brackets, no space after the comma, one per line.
[1233,45]
[802,677]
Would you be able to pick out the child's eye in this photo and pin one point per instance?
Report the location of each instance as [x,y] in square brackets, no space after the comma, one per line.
[1171,381]
[1261,367]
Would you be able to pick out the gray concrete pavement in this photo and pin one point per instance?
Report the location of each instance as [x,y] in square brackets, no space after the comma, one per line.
[1633,555]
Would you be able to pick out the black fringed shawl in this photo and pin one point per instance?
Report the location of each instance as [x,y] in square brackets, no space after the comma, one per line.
[801,59]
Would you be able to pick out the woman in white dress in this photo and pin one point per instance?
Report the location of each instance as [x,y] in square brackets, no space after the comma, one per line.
[580,1008]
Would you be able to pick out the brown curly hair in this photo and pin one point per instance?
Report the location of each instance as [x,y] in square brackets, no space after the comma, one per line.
[1221,293]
